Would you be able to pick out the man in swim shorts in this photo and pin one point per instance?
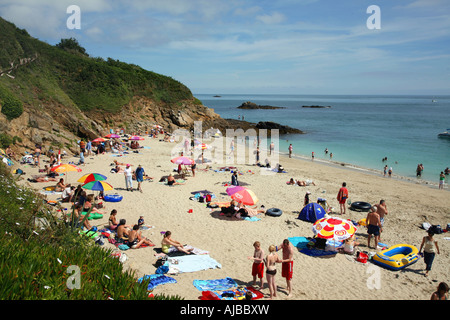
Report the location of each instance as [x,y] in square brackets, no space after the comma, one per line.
[258,265]
[342,197]
[139,176]
[374,227]
[287,264]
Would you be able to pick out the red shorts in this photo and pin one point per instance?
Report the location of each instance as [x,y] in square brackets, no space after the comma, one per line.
[286,269]
[258,270]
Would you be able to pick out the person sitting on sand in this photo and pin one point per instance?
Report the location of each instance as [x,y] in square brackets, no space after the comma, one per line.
[88,205]
[349,245]
[68,193]
[112,221]
[171,181]
[60,186]
[122,231]
[169,245]
[135,240]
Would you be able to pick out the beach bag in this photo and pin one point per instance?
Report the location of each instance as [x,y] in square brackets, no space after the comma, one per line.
[361,257]
[208,198]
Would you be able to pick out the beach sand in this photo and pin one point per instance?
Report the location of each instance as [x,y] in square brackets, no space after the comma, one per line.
[230,240]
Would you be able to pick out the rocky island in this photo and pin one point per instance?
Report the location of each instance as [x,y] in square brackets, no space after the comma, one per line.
[252,105]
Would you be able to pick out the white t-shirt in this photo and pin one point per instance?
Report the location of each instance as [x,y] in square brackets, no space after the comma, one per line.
[128,172]
[66,193]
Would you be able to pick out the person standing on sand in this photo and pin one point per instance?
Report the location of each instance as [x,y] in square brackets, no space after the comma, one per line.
[441,180]
[139,176]
[258,265]
[430,247]
[128,178]
[290,150]
[271,270]
[374,227]
[287,264]
[342,197]
[272,147]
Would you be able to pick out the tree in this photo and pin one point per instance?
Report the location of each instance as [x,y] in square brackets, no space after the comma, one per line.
[71,45]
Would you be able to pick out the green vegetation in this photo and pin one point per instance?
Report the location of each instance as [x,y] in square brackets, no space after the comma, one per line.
[10,105]
[66,74]
[38,259]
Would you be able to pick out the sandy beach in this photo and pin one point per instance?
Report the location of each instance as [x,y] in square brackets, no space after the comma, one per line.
[230,240]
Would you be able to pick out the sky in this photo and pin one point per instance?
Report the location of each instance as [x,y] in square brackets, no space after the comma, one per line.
[248,46]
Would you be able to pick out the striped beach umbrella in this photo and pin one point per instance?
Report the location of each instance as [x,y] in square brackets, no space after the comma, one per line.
[97,186]
[242,195]
[91,177]
[333,228]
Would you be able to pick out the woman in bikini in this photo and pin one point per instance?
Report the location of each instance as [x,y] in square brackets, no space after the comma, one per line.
[112,220]
[169,245]
[271,270]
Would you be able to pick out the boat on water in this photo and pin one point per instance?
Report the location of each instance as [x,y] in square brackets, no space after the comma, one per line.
[445,134]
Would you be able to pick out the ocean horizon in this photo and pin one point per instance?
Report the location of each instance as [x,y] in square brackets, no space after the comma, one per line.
[359,130]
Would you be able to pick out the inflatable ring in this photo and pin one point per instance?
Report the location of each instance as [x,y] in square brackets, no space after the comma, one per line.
[113,197]
[360,206]
[274,212]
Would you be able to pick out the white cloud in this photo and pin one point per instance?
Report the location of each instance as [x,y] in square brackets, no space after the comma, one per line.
[273,18]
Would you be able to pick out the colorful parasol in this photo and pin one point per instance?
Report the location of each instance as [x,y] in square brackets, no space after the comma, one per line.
[65,167]
[97,186]
[112,136]
[91,177]
[202,146]
[99,140]
[183,160]
[242,195]
[135,138]
[333,228]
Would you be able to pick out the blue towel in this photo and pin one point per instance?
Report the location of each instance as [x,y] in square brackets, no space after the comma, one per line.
[252,218]
[156,280]
[215,285]
[299,242]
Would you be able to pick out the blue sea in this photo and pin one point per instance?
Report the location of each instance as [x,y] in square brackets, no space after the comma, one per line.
[358,130]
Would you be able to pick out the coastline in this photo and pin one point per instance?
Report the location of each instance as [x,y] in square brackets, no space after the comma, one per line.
[229,240]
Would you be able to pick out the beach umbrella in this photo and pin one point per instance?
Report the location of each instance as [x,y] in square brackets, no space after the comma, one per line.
[99,140]
[202,146]
[333,228]
[112,136]
[97,186]
[135,138]
[91,177]
[65,167]
[183,160]
[242,195]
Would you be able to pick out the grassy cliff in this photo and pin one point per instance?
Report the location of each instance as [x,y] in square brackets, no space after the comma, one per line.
[43,72]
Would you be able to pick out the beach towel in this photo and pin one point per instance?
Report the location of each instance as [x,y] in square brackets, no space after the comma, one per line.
[251,218]
[232,294]
[299,242]
[317,252]
[215,285]
[156,280]
[192,263]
